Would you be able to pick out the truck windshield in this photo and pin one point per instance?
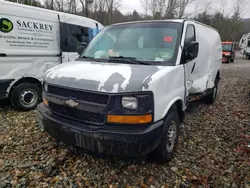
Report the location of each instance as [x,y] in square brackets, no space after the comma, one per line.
[148,42]
[227,47]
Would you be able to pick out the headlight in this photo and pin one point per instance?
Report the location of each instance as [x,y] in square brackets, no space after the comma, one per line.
[129,103]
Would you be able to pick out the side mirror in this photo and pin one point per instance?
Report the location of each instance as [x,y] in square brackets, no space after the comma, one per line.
[81,47]
[192,50]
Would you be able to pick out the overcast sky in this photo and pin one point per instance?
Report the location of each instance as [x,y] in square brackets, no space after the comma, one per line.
[131,5]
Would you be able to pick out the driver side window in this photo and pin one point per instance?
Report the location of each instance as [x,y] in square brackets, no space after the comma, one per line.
[190,36]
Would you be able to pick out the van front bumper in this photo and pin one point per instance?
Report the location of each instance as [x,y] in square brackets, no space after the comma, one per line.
[117,140]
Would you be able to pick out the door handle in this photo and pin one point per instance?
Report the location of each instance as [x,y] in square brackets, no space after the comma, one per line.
[193,67]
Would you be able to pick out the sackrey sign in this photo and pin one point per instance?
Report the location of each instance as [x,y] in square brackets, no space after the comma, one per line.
[7,26]
[34,25]
[16,32]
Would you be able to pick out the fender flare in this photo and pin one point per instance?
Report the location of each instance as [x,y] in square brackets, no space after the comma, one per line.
[21,80]
[170,104]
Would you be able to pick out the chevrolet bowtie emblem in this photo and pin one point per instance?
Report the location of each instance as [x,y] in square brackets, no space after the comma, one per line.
[71,103]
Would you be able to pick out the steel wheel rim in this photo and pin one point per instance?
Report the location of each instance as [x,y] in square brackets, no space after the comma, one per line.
[171,136]
[28,98]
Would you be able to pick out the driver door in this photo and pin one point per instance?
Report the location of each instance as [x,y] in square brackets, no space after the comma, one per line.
[189,64]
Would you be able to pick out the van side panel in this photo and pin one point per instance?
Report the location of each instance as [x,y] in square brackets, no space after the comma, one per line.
[168,86]
[16,68]
[216,59]
[209,59]
[29,36]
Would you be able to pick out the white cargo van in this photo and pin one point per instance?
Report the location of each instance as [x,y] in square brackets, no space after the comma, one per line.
[127,93]
[32,40]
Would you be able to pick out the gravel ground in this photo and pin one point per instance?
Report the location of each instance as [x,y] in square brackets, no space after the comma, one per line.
[212,152]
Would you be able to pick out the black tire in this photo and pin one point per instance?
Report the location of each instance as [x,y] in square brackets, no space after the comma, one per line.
[210,99]
[25,96]
[164,153]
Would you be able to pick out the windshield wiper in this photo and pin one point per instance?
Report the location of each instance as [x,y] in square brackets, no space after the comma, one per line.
[132,60]
[89,58]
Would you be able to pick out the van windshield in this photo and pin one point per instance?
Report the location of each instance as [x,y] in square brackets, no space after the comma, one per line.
[227,47]
[154,42]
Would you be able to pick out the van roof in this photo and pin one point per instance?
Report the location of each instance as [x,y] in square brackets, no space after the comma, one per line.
[166,20]
[148,21]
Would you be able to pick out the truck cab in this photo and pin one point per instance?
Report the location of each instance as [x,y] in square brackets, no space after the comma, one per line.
[127,93]
[228,52]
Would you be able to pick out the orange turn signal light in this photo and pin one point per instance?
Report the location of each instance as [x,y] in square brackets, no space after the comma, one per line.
[45,102]
[128,119]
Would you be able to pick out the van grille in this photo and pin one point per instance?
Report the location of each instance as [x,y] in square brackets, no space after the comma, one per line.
[79,95]
[79,115]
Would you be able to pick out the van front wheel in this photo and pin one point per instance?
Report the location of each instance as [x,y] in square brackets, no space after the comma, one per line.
[25,96]
[170,136]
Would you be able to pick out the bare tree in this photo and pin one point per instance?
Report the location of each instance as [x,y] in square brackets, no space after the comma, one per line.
[236,20]
[72,6]
[182,5]
[207,6]
[111,6]
[83,6]
[223,6]
[166,8]
[170,9]
[98,9]
[145,5]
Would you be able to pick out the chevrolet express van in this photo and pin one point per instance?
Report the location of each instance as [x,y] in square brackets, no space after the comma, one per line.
[127,92]
[32,40]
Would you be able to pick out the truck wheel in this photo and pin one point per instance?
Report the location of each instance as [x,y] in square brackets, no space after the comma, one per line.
[171,131]
[25,96]
[210,99]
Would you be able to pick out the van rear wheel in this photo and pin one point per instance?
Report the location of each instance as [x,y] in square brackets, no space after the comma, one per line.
[210,99]
[25,96]
[170,136]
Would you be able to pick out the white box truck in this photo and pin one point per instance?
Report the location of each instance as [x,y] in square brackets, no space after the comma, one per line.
[32,40]
[127,93]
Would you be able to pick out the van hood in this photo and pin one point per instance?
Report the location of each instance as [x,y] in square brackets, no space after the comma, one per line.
[101,76]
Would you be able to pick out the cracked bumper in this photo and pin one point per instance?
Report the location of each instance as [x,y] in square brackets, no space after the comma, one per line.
[127,141]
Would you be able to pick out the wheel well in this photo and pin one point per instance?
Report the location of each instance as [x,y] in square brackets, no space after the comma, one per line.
[178,105]
[218,75]
[26,80]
